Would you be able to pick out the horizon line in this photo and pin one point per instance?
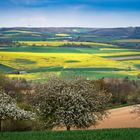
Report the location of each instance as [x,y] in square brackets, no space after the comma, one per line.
[70,27]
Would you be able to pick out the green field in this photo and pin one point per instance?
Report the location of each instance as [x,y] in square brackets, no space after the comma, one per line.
[106,134]
[39,57]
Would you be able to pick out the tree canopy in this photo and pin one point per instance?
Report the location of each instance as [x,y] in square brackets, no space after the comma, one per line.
[71,103]
[10,110]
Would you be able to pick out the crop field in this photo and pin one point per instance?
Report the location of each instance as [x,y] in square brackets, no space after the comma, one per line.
[128,40]
[28,52]
[60,43]
[118,54]
[69,60]
[35,63]
[105,134]
[62,35]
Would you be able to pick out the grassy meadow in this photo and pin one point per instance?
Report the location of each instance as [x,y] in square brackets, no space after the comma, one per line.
[108,134]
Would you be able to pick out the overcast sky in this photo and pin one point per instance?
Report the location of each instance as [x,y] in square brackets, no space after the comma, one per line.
[69,13]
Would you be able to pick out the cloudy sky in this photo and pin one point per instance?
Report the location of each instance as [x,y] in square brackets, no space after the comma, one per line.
[69,13]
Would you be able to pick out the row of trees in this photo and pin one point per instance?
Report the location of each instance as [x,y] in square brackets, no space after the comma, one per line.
[58,103]
[77,103]
[124,91]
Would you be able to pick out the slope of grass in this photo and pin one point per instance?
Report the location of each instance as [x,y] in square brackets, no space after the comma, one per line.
[93,50]
[4,68]
[128,40]
[106,134]
[41,49]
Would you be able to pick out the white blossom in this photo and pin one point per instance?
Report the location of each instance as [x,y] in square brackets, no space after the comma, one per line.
[74,103]
[10,110]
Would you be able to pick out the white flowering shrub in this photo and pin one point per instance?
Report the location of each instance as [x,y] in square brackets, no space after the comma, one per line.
[136,109]
[10,110]
[75,103]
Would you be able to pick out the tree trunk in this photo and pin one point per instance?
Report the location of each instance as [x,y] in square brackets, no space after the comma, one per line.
[0,125]
[68,128]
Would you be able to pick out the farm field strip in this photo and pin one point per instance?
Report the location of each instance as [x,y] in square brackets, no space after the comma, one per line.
[20,31]
[60,43]
[34,76]
[62,35]
[41,76]
[128,40]
[118,54]
[134,62]
[114,49]
[128,58]
[93,50]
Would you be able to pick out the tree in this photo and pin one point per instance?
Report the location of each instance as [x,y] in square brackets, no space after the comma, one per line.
[71,103]
[137,100]
[138,76]
[136,109]
[17,88]
[10,110]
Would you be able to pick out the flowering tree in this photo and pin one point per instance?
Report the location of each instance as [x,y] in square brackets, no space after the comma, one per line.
[71,103]
[10,110]
[136,108]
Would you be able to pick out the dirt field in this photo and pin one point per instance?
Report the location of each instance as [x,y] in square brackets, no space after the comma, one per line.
[118,118]
[125,58]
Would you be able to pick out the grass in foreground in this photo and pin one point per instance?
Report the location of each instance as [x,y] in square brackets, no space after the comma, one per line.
[106,134]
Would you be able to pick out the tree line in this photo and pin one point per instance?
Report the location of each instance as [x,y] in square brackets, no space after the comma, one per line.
[69,103]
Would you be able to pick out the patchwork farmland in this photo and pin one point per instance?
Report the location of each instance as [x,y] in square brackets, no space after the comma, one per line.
[34,54]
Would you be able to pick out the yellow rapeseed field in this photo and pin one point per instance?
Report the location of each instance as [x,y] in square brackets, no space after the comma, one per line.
[134,62]
[20,31]
[59,43]
[34,76]
[23,60]
[62,35]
